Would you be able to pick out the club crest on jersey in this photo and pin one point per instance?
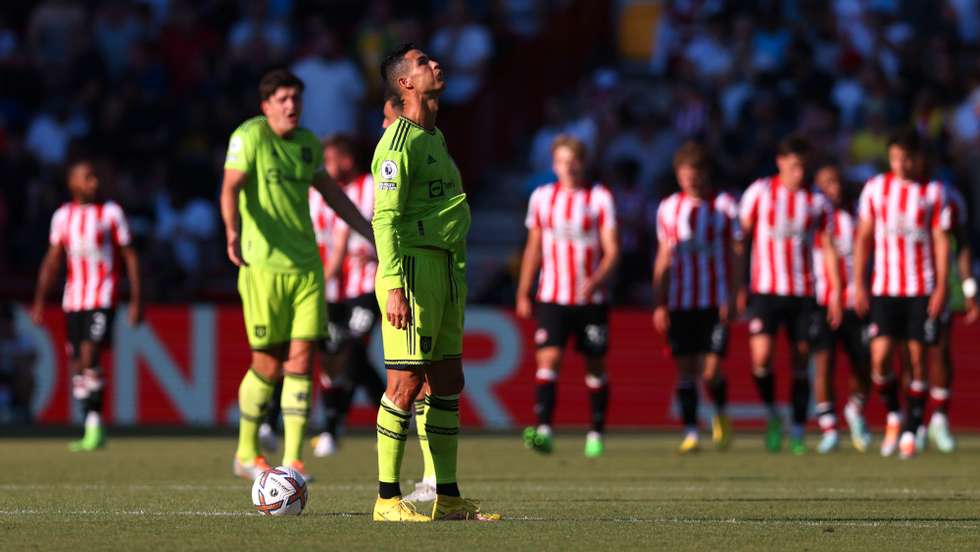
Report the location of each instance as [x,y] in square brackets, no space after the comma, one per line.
[425,343]
[307,154]
[436,189]
[389,169]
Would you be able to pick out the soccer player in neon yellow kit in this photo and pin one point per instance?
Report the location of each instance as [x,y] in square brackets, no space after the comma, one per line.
[421,219]
[270,166]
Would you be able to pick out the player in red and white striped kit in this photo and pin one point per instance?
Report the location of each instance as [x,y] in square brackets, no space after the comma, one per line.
[900,211]
[92,234]
[350,265]
[783,218]
[572,238]
[694,286]
[851,335]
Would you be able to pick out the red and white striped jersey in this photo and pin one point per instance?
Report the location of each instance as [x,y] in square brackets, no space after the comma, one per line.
[361,262]
[324,224]
[570,220]
[784,224]
[700,235]
[954,215]
[904,214]
[843,227]
[90,234]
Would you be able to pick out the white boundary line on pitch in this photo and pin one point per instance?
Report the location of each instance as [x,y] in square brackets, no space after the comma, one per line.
[955,524]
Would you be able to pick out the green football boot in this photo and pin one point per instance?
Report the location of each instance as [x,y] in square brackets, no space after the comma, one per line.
[535,440]
[594,446]
[774,434]
[94,439]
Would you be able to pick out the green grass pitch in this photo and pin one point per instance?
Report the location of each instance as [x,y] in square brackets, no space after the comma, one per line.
[177,493]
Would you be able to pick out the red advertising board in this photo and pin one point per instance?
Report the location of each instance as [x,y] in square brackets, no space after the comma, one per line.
[183,366]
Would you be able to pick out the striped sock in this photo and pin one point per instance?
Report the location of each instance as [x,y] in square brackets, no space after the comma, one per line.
[442,428]
[392,431]
[295,402]
[253,400]
[428,470]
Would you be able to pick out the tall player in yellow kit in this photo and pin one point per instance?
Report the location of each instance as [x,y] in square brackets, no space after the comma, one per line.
[271,164]
[421,219]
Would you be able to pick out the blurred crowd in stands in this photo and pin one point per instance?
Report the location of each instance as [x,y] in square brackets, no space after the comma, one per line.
[155,87]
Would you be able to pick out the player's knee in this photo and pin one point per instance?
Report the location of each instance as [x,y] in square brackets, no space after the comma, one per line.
[594,382]
[760,370]
[403,388]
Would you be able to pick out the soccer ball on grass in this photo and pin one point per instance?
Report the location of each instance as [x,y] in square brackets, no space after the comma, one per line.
[279,492]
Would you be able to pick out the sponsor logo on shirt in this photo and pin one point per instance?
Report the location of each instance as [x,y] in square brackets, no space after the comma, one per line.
[307,154]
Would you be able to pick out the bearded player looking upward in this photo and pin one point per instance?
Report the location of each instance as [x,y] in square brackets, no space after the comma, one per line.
[421,219]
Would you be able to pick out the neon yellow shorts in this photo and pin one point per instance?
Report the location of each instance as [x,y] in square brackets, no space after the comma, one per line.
[282,306]
[435,287]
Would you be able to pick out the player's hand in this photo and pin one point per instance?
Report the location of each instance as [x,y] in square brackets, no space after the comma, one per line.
[834,313]
[937,302]
[742,302]
[972,312]
[135,314]
[235,251]
[661,320]
[586,290]
[524,307]
[861,304]
[37,314]
[396,309]
[725,311]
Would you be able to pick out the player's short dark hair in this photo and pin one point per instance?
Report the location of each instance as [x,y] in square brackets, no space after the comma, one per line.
[907,139]
[276,79]
[793,144]
[395,99]
[342,142]
[391,65]
[76,160]
[691,153]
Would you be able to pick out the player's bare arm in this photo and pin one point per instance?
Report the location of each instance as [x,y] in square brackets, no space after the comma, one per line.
[661,279]
[46,275]
[834,310]
[338,250]
[964,266]
[862,244]
[940,243]
[609,241]
[342,205]
[131,259]
[736,295]
[232,184]
[530,264]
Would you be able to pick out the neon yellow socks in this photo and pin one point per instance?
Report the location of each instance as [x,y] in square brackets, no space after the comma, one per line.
[392,432]
[295,402]
[253,399]
[442,430]
[428,470]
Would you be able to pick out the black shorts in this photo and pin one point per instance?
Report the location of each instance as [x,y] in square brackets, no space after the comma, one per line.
[694,332]
[94,326]
[853,334]
[903,318]
[589,324]
[351,319]
[767,313]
